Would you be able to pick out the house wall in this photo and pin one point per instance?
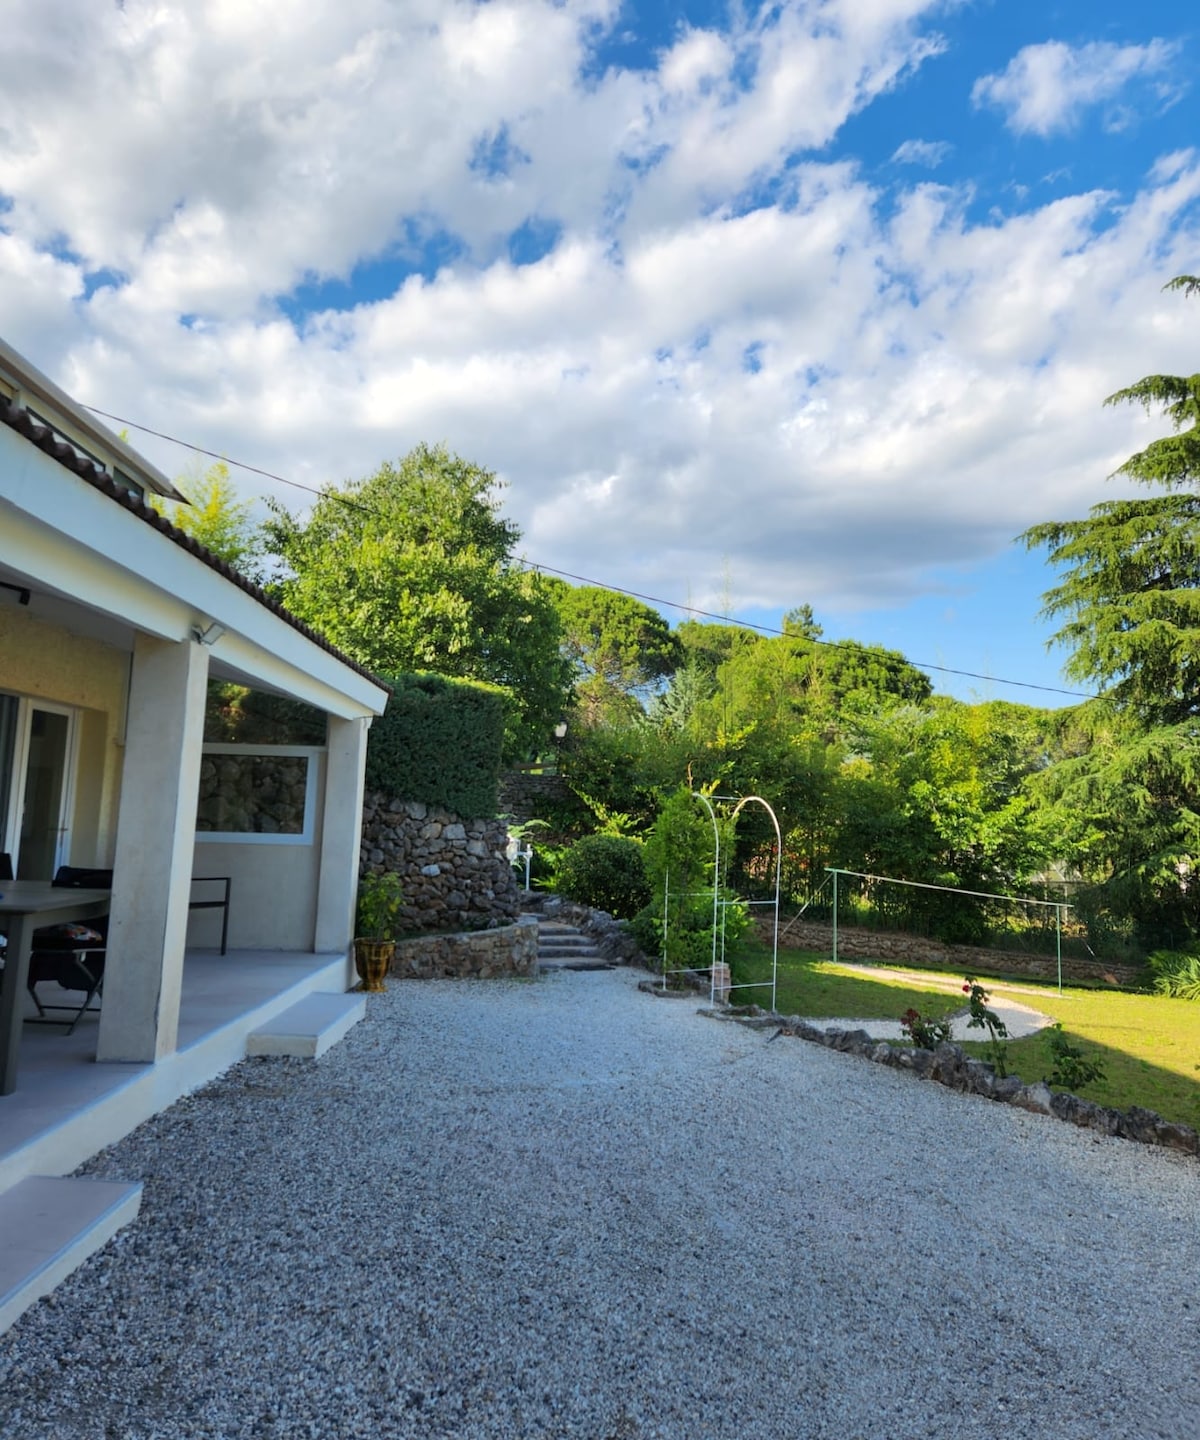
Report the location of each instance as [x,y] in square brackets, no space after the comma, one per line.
[48,663]
[272,893]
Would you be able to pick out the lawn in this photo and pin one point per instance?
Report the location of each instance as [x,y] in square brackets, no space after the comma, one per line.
[1149,1045]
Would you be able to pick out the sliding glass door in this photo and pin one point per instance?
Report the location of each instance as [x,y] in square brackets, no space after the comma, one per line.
[36,772]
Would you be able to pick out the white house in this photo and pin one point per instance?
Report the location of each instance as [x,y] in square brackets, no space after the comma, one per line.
[112,625]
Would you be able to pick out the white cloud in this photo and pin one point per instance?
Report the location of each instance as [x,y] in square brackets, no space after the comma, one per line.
[930,153]
[1046,88]
[830,392]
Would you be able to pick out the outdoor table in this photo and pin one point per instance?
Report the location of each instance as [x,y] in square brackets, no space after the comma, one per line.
[26,905]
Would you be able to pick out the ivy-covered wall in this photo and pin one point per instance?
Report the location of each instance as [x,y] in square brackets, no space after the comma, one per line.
[439,742]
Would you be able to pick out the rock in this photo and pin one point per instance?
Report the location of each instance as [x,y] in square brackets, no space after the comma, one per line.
[1035,1098]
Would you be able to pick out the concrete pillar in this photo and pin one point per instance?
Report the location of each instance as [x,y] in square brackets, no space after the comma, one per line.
[156,834]
[341,833]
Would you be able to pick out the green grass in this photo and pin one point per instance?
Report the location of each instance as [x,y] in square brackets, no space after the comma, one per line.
[1149,1045]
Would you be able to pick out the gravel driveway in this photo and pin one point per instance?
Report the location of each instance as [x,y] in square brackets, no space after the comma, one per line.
[563,1209]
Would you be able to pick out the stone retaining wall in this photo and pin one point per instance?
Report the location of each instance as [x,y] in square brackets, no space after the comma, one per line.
[521,791]
[950,1065]
[455,872]
[480,955]
[856,943]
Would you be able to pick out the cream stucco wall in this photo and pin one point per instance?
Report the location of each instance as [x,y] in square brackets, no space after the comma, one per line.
[45,662]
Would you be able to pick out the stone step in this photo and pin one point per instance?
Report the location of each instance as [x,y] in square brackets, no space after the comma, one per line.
[308,1028]
[563,942]
[49,1225]
[565,947]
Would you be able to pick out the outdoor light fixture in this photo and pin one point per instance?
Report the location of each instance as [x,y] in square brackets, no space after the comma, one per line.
[208,636]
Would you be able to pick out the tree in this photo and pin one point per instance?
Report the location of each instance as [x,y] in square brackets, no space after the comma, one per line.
[413,569]
[618,646]
[1131,593]
[1130,599]
[216,518]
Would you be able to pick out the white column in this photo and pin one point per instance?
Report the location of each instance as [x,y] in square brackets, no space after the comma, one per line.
[156,834]
[341,833]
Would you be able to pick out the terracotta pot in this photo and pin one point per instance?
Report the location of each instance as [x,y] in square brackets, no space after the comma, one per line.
[372,959]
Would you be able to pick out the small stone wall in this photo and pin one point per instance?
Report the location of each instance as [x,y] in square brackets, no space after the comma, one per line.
[856,943]
[950,1065]
[480,955]
[455,872]
[521,790]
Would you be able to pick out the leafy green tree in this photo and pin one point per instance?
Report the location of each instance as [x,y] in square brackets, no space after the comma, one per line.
[413,568]
[792,681]
[216,518]
[618,648]
[709,644]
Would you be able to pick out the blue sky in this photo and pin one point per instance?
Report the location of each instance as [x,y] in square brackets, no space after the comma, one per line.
[747,306]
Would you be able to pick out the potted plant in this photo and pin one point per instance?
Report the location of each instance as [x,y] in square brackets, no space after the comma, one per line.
[379,900]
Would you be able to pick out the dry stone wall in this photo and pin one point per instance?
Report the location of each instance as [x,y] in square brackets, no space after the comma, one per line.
[507,950]
[855,943]
[456,874]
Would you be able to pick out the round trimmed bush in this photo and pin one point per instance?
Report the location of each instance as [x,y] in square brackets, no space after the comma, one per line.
[607,872]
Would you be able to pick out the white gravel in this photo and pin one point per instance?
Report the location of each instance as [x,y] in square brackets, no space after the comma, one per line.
[563,1209]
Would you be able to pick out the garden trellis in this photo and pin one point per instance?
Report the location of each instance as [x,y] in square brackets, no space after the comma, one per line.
[721,901]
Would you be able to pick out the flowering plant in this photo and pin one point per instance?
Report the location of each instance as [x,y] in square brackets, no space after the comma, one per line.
[923,1031]
[982,1018]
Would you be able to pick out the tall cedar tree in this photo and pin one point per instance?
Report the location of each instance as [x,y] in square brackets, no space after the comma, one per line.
[1130,598]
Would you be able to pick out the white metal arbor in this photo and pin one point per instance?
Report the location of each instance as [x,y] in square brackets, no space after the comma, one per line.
[719,903]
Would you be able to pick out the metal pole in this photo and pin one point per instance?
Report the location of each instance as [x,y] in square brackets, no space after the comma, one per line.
[666,899]
[835,875]
[1058,942]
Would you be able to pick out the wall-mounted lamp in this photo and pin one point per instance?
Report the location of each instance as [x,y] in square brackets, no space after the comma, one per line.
[208,636]
[20,591]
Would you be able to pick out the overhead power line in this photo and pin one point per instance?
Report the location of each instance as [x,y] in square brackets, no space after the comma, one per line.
[849,645]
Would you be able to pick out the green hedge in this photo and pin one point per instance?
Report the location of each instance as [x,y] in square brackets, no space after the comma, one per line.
[439,741]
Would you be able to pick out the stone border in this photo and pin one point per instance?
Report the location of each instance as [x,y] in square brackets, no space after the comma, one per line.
[950,1065]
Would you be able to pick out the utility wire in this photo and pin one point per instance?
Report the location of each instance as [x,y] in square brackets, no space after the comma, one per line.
[849,645]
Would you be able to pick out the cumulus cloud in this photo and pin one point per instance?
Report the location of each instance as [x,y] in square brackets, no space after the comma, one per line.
[735,351]
[929,153]
[1046,88]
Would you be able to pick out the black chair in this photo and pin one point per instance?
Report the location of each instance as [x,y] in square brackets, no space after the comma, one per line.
[71,954]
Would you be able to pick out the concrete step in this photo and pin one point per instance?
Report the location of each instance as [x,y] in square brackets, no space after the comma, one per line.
[49,1225]
[308,1028]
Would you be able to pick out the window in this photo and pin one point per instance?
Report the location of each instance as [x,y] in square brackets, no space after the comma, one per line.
[257,794]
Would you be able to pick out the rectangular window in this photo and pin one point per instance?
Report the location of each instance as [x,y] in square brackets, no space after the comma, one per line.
[257,794]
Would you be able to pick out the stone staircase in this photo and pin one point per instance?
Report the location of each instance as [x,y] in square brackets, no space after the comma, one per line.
[564,947]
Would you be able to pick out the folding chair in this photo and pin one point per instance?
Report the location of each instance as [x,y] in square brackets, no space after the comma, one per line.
[71,954]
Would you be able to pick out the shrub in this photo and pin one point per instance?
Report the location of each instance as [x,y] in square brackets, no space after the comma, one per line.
[1073,1068]
[606,871]
[379,900]
[439,741]
[925,1031]
[1176,973]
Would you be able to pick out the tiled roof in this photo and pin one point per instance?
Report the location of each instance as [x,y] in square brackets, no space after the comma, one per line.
[19,419]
